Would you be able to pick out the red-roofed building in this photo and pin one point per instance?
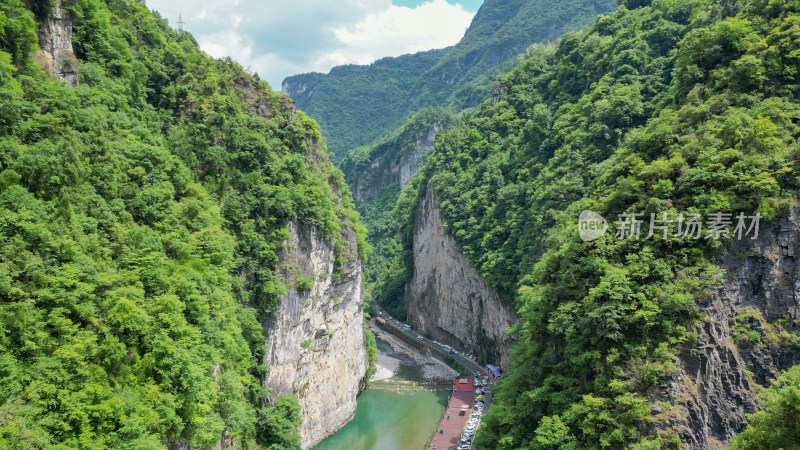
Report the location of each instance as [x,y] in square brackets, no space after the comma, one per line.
[464,384]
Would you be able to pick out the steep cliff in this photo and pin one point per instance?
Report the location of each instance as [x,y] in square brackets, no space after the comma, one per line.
[748,336]
[446,296]
[316,343]
[55,52]
[609,346]
[383,173]
[396,158]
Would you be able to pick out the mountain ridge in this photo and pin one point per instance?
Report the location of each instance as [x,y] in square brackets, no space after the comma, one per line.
[354,110]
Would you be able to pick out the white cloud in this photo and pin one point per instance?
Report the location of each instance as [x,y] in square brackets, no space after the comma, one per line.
[399,30]
[225,43]
[277,38]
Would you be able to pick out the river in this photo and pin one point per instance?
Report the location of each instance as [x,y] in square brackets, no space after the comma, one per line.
[391,420]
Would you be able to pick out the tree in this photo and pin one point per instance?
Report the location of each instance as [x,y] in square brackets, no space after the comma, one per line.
[778,425]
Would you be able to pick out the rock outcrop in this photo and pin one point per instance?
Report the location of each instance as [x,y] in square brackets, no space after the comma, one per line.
[316,346]
[448,298]
[55,46]
[747,338]
[384,170]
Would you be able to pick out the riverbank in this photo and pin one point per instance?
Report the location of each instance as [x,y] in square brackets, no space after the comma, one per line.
[401,408]
[388,367]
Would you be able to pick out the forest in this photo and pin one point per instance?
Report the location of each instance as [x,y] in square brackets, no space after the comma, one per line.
[660,107]
[142,213]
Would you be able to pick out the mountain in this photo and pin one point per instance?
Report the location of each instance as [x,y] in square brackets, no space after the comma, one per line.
[377,174]
[154,204]
[670,110]
[355,105]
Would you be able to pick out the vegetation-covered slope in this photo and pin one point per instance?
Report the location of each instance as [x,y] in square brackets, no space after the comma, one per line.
[668,107]
[355,105]
[141,215]
[775,426]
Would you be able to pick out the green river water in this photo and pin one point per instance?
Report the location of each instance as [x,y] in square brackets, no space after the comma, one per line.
[391,420]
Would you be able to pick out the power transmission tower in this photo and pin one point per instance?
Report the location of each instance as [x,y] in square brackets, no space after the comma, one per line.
[180,22]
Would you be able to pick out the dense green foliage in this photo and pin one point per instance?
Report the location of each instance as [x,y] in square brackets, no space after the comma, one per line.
[372,353]
[349,97]
[384,276]
[141,215]
[777,425]
[679,106]
[385,93]
[392,148]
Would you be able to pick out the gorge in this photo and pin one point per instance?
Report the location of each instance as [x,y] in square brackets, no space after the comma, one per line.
[189,259]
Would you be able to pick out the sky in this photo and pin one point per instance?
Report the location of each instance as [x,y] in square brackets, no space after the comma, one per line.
[279,38]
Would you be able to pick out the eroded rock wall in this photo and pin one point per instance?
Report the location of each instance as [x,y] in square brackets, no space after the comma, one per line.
[745,339]
[383,171]
[55,52]
[316,344]
[448,298]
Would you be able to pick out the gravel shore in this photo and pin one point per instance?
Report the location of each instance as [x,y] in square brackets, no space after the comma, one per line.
[431,368]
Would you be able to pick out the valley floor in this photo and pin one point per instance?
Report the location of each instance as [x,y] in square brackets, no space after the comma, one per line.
[430,368]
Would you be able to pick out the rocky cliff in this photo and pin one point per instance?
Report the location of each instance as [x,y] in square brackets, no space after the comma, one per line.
[446,296]
[385,172]
[55,46]
[748,336]
[316,346]
[396,158]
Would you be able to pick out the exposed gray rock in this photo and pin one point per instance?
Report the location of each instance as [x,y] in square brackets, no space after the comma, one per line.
[292,89]
[739,342]
[410,162]
[316,345]
[448,298]
[384,171]
[499,92]
[55,47]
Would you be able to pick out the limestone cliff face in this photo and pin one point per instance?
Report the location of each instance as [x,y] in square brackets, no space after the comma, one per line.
[296,88]
[55,47]
[316,343]
[384,171]
[745,340]
[448,298]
